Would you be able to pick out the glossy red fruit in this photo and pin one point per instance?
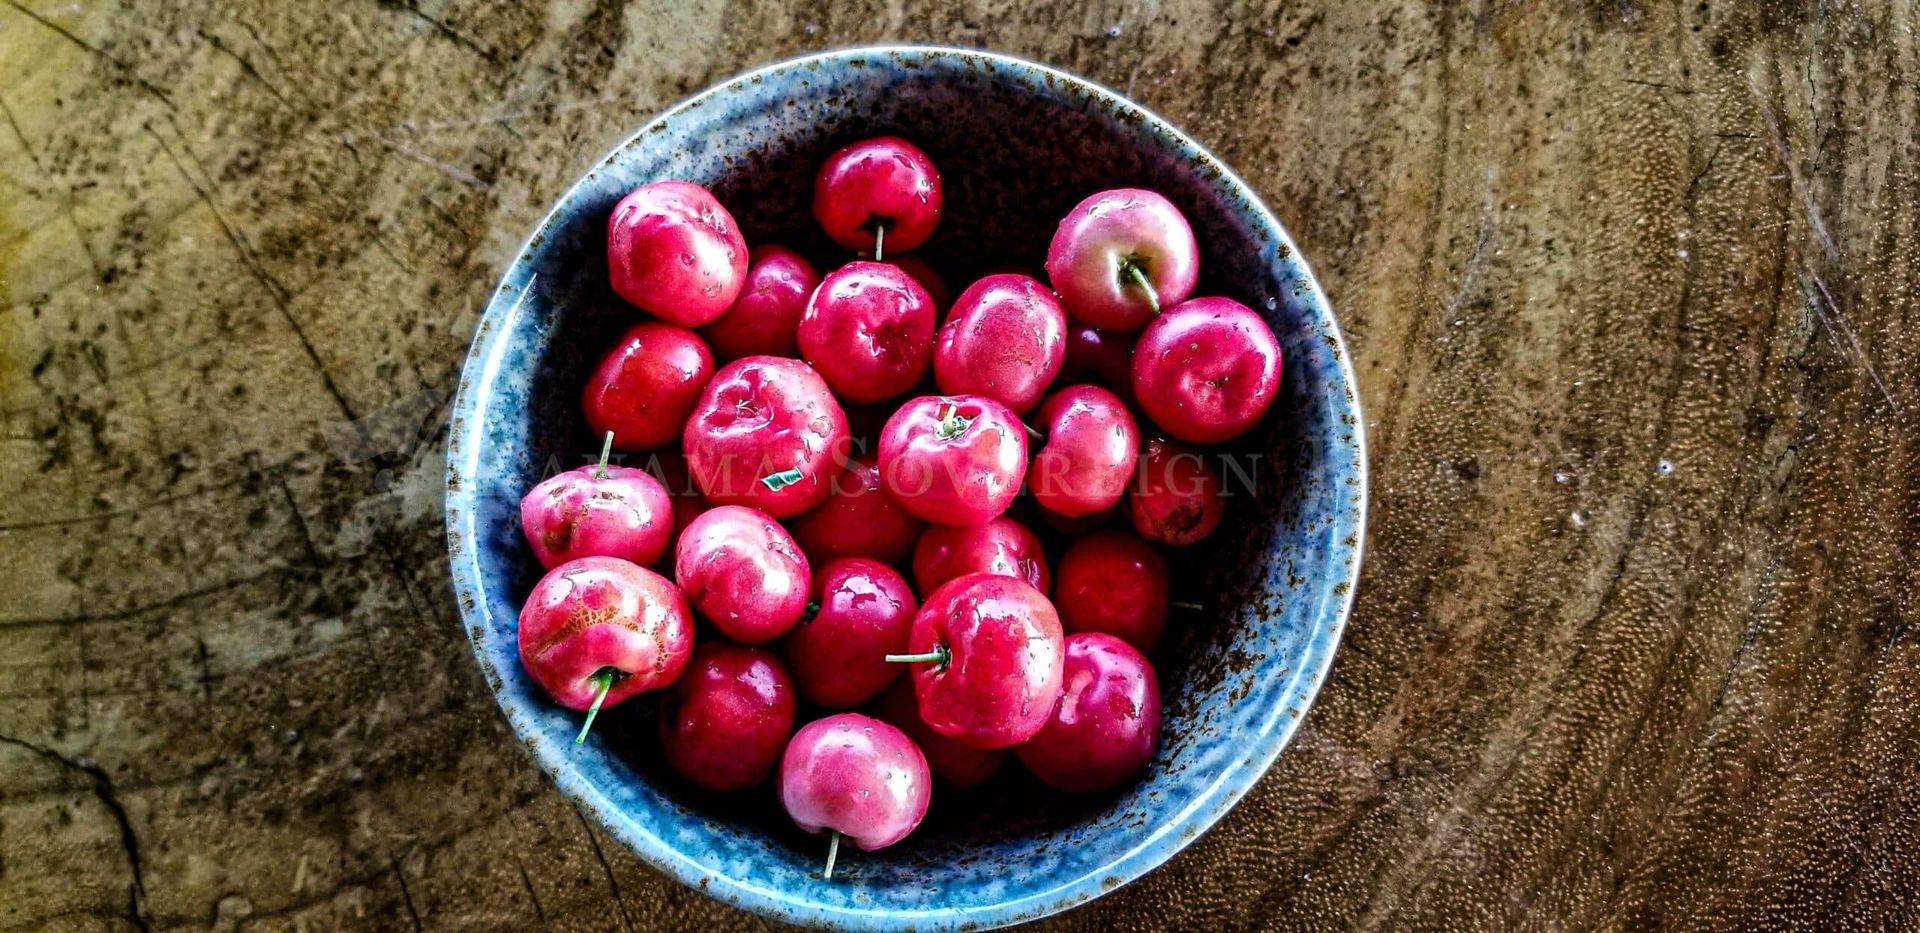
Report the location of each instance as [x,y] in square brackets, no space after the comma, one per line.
[1005,338]
[856,776]
[954,460]
[929,279]
[601,619]
[1113,582]
[1001,546]
[1104,729]
[765,319]
[1087,459]
[839,655]
[957,764]
[644,389]
[1101,357]
[597,511]
[1176,499]
[674,252]
[868,330]
[725,723]
[986,652]
[767,433]
[1120,256]
[743,573]
[859,519]
[1207,370]
[880,182]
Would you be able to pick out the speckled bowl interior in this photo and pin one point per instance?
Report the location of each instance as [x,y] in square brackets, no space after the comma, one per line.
[1017,144]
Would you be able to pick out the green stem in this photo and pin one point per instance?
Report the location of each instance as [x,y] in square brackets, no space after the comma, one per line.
[606,450]
[603,679]
[813,609]
[951,424]
[833,853]
[1031,433]
[939,657]
[1132,270]
[1179,604]
[781,480]
[879,240]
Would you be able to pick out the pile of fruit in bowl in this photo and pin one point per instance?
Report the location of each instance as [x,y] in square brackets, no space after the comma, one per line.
[820,363]
[807,552]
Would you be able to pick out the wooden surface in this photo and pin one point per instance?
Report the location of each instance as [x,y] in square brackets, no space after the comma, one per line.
[1630,288]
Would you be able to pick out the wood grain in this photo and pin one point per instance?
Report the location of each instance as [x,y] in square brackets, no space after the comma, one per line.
[1631,288]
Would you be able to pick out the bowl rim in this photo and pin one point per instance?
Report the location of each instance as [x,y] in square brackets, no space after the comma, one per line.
[463,451]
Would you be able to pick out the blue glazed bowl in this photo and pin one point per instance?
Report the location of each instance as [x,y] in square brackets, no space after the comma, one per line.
[1018,144]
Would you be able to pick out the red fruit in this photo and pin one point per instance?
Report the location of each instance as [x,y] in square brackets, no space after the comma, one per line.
[1100,357]
[725,723]
[643,390]
[1207,370]
[597,511]
[1113,582]
[956,763]
[1002,546]
[603,626]
[1087,459]
[1005,338]
[675,252]
[767,433]
[859,519]
[1177,498]
[856,776]
[929,279]
[1104,729]
[865,612]
[763,321]
[880,182]
[743,573]
[868,330]
[955,460]
[1121,256]
[986,655]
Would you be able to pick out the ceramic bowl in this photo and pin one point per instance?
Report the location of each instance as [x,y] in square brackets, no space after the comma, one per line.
[1018,144]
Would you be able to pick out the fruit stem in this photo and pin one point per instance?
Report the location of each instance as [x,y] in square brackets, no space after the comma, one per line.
[879,240]
[813,609]
[938,657]
[606,450]
[778,481]
[833,852]
[951,424]
[603,679]
[1132,270]
[1180,604]
[1031,433]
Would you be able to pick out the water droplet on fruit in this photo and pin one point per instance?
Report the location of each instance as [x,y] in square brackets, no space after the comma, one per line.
[686,259]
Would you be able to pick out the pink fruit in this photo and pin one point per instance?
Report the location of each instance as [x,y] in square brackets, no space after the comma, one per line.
[1002,546]
[1005,338]
[1177,497]
[674,252]
[1103,731]
[767,433]
[986,656]
[597,511]
[1120,257]
[644,389]
[743,573]
[954,460]
[868,331]
[857,777]
[865,610]
[1113,582]
[859,519]
[1207,370]
[764,320]
[875,184]
[598,630]
[1087,459]
[726,721]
